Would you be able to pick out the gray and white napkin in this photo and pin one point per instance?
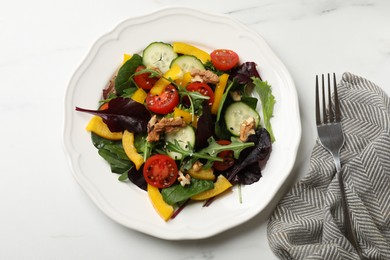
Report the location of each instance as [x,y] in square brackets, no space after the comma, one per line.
[308,222]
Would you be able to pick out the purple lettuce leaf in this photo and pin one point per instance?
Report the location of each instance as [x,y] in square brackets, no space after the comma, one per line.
[205,127]
[244,73]
[248,167]
[137,177]
[251,174]
[123,114]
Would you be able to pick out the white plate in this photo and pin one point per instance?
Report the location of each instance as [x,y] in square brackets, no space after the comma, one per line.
[127,204]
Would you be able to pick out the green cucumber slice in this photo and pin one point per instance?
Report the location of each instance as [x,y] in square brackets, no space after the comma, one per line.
[188,63]
[184,136]
[158,55]
[236,114]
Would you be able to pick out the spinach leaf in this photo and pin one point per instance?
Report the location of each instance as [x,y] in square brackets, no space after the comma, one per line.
[250,101]
[117,164]
[220,124]
[99,142]
[178,193]
[116,149]
[221,130]
[113,153]
[122,80]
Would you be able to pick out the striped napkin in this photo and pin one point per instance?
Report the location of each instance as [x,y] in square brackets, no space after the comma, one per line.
[308,222]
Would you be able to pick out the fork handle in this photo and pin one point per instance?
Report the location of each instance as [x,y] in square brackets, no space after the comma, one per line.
[349,230]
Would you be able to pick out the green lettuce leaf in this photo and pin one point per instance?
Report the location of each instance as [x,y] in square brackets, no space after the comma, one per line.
[267,103]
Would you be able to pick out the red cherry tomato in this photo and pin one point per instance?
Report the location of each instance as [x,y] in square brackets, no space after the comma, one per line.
[144,80]
[203,89]
[160,171]
[104,106]
[223,59]
[227,156]
[163,103]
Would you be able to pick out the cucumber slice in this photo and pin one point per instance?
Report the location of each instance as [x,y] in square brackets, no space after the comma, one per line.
[188,63]
[184,136]
[158,55]
[236,114]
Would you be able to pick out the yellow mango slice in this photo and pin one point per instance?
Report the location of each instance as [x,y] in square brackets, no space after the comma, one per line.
[130,150]
[221,185]
[186,116]
[139,95]
[185,80]
[126,57]
[97,126]
[163,209]
[173,73]
[203,174]
[218,93]
[184,48]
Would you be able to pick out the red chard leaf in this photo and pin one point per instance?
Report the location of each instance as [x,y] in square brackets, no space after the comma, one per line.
[205,128]
[252,157]
[123,114]
[244,73]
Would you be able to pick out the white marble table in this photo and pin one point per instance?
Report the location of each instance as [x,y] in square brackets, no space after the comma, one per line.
[44,212]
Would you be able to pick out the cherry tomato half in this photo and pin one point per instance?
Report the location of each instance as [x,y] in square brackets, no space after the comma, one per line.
[144,80]
[223,59]
[227,156]
[203,89]
[160,171]
[104,106]
[163,103]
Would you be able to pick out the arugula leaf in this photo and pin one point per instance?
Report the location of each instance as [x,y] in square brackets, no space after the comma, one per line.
[178,193]
[209,66]
[267,102]
[122,80]
[195,98]
[211,151]
[143,146]
[189,152]
[236,146]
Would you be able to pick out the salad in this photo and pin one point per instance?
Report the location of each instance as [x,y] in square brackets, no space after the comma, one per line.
[183,124]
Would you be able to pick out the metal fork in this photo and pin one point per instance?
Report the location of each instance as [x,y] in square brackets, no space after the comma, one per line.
[331,137]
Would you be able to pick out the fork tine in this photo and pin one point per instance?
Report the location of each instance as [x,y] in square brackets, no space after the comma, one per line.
[330,109]
[318,113]
[324,116]
[336,100]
